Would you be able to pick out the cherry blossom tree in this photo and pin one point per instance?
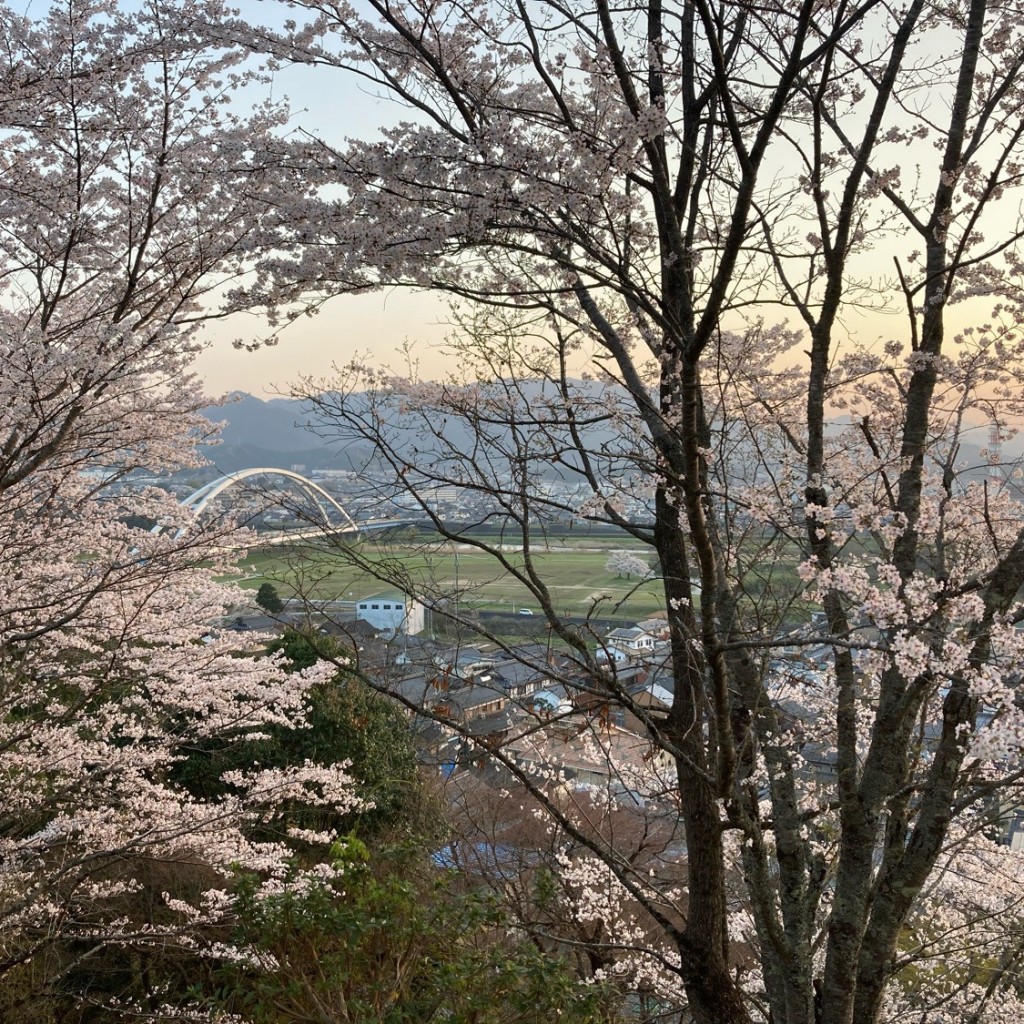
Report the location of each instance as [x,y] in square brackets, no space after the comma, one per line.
[622,563]
[131,196]
[782,242]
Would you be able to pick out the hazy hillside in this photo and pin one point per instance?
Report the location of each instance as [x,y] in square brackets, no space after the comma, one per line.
[275,432]
[272,432]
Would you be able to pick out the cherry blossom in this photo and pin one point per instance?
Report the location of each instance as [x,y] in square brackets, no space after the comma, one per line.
[673,219]
[131,195]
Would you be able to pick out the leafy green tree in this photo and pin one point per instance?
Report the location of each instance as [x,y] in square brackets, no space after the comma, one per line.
[268,598]
[394,941]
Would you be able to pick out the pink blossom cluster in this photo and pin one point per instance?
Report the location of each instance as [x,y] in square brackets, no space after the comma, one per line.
[131,194]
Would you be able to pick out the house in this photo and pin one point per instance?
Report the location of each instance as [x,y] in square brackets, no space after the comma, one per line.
[602,754]
[632,639]
[471,702]
[518,680]
[657,627]
[392,612]
[610,654]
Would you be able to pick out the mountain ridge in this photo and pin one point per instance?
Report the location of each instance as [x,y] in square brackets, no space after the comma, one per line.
[278,432]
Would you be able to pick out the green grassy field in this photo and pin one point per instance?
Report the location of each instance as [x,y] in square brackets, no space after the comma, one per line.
[576,578]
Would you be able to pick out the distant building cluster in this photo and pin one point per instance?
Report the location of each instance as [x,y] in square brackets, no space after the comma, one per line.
[588,720]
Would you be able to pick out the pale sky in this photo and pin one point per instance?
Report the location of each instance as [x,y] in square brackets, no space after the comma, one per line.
[373,327]
[376,325]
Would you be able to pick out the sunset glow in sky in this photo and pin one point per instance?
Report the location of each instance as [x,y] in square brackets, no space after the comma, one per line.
[335,107]
[375,327]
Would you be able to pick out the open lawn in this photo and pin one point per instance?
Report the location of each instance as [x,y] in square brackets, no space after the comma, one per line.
[576,578]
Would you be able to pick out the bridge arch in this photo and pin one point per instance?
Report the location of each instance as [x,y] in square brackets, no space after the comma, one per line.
[202,496]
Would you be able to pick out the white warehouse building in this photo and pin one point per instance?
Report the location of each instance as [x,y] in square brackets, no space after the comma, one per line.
[394,612]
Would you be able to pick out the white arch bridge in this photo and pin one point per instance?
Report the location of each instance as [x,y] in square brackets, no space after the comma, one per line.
[325,513]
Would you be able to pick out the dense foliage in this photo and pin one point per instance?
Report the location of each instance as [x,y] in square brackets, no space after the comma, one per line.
[343,721]
[398,940]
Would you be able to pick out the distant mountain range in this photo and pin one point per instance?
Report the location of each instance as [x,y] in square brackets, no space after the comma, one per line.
[276,432]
